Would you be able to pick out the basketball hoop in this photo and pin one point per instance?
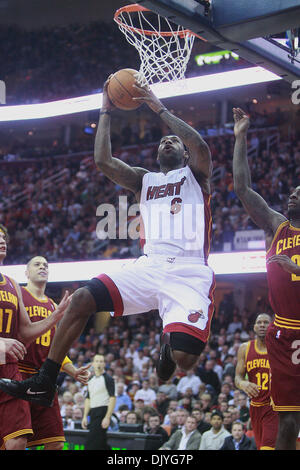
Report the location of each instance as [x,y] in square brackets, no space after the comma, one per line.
[164,48]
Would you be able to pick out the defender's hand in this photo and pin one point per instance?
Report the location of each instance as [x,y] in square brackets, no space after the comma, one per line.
[241,122]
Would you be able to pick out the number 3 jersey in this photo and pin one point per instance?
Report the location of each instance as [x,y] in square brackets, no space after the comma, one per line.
[258,371]
[175,215]
[284,287]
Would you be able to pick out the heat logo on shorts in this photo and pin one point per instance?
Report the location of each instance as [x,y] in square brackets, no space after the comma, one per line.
[195,315]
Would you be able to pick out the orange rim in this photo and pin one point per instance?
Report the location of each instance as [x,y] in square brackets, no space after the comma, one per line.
[135,8]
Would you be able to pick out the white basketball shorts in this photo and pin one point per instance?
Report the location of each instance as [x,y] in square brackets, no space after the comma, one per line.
[180,288]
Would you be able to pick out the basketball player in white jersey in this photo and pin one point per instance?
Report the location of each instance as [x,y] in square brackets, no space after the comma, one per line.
[172,276]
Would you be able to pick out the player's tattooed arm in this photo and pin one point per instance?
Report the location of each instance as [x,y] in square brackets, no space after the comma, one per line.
[115,169]
[199,157]
[262,215]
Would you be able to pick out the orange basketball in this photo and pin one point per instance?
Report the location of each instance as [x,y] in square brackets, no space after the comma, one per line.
[120,89]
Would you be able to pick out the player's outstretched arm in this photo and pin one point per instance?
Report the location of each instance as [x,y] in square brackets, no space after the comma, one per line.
[199,154]
[28,330]
[257,208]
[115,169]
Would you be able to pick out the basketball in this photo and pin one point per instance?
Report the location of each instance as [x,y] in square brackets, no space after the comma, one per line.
[121,90]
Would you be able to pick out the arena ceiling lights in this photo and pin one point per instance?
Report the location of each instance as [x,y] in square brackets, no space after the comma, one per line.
[248,262]
[206,83]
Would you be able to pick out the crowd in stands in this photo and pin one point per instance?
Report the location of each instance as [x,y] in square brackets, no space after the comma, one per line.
[67,61]
[49,205]
[202,403]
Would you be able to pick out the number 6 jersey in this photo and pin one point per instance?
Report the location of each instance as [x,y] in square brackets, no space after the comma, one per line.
[175,215]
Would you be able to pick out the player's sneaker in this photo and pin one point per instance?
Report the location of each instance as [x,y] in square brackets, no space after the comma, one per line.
[38,389]
[165,366]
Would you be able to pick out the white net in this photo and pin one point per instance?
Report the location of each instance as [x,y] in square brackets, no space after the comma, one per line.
[164,48]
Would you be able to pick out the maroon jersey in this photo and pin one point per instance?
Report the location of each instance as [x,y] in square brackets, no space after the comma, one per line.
[258,371]
[284,287]
[9,311]
[37,351]
[9,327]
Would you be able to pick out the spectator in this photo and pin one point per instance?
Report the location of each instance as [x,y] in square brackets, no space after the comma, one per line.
[132,417]
[140,360]
[122,398]
[190,380]
[238,439]
[146,412]
[206,402]
[209,377]
[202,425]
[182,417]
[170,424]
[161,403]
[229,365]
[154,427]
[146,394]
[67,401]
[244,407]
[169,389]
[235,325]
[187,438]
[214,438]
[227,420]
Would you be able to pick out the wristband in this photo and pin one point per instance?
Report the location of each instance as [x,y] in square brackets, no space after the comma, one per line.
[162,111]
[105,112]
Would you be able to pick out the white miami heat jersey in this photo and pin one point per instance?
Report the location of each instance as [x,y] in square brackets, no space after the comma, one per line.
[175,215]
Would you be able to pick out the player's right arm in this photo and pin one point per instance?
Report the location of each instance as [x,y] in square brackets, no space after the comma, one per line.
[115,169]
[262,215]
[28,330]
[250,388]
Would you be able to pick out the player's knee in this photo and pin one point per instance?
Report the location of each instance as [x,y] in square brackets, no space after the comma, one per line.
[18,443]
[54,446]
[83,302]
[288,424]
[184,360]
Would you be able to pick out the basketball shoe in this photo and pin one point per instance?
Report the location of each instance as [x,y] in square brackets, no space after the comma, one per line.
[38,389]
[165,366]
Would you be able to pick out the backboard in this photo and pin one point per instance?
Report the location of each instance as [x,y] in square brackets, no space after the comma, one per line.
[246,28]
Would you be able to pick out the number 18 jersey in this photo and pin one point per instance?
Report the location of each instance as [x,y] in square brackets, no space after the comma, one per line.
[37,351]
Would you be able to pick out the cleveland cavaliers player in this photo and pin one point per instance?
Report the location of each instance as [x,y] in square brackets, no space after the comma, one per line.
[16,333]
[283,274]
[252,375]
[173,275]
